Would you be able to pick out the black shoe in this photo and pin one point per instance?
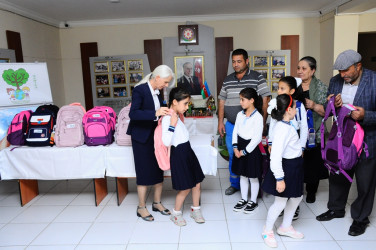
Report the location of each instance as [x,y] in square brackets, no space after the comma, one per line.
[147,217]
[251,206]
[240,205]
[311,198]
[329,215]
[231,190]
[357,228]
[163,212]
[296,214]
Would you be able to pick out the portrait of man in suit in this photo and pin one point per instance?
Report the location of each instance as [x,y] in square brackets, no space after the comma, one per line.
[189,81]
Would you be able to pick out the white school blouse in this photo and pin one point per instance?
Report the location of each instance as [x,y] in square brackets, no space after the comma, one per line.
[248,128]
[286,145]
[179,136]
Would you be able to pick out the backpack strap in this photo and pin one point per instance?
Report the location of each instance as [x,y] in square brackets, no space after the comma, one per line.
[329,110]
[78,104]
[298,105]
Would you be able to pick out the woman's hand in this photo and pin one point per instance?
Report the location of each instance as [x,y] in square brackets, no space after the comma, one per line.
[280,186]
[309,104]
[174,119]
[161,111]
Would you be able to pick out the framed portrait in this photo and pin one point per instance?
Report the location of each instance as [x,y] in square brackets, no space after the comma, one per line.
[120,91]
[117,66]
[135,77]
[188,34]
[263,72]
[103,92]
[278,73]
[189,73]
[260,61]
[102,79]
[274,86]
[250,61]
[100,67]
[4,60]
[131,88]
[118,79]
[135,65]
[278,61]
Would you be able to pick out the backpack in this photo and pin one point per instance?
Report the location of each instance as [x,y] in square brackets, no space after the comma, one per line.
[98,126]
[311,130]
[18,128]
[345,141]
[121,130]
[41,128]
[162,153]
[69,131]
[112,115]
[53,108]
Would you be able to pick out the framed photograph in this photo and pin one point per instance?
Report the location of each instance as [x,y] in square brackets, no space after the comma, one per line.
[120,91]
[250,61]
[278,61]
[274,86]
[135,65]
[4,60]
[103,92]
[260,61]
[278,73]
[118,79]
[135,77]
[100,67]
[188,34]
[102,79]
[117,66]
[131,87]
[263,72]
[189,73]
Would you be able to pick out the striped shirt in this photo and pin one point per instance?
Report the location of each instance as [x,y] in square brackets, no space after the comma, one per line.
[232,86]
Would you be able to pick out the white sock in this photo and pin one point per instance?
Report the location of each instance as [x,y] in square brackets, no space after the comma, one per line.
[274,211]
[290,209]
[244,185]
[255,186]
[176,212]
[196,208]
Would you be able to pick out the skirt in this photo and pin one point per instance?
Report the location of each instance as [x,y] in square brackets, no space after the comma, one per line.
[146,165]
[294,179]
[186,171]
[249,165]
[314,168]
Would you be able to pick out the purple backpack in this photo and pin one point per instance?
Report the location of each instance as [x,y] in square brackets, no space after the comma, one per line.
[18,128]
[345,142]
[98,126]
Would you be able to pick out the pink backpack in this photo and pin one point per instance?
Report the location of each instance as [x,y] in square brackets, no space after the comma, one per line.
[111,113]
[121,130]
[98,126]
[18,128]
[162,153]
[69,131]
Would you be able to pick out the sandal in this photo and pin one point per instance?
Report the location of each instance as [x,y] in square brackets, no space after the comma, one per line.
[145,218]
[164,212]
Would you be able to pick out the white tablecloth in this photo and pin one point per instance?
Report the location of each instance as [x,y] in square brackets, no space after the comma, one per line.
[54,163]
[201,125]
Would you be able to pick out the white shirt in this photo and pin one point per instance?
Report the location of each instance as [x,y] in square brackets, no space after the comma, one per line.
[348,93]
[248,128]
[285,145]
[181,134]
[189,78]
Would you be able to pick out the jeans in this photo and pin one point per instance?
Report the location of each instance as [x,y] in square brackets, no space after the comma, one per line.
[234,179]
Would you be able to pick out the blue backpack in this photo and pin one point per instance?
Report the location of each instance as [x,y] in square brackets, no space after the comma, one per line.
[311,129]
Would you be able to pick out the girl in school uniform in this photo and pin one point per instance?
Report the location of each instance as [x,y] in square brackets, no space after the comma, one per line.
[186,172]
[285,179]
[245,139]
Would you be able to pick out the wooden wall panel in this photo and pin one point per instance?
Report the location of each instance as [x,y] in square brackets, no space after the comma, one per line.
[223,48]
[153,48]
[88,50]
[14,43]
[291,42]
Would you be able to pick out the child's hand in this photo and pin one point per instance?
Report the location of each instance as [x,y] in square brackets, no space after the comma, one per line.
[280,186]
[236,153]
[270,149]
[174,119]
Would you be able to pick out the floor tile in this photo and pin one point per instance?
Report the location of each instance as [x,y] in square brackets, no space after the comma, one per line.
[212,183]
[155,232]
[209,212]
[126,213]
[20,234]
[205,246]
[208,232]
[320,207]
[363,245]
[259,213]
[13,248]
[39,214]
[312,229]
[9,213]
[54,247]
[224,173]
[114,233]
[130,199]
[69,234]
[254,245]
[322,245]
[247,231]
[101,247]
[56,199]
[152,246]
[168,197]
[79,214]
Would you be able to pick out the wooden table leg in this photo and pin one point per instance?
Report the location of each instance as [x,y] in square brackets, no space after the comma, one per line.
[121,189]
[28,190]
[100,190]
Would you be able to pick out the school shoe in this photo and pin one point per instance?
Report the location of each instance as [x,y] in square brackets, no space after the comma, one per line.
[163,212]
[240,205]
[296,214]
[311,198]
[330,214]
[290,232]
[145,218]
[357,228]
[197,216]
[251,206]
[231,190]
[269,239]
[178,219]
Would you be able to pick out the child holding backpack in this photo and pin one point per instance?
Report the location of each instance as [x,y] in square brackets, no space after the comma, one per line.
[285,178]
[246,137]
[186,172]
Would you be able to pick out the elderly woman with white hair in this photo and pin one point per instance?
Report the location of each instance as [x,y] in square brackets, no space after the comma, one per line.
[147,107]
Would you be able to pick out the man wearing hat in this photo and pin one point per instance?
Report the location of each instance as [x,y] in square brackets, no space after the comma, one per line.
[355,85]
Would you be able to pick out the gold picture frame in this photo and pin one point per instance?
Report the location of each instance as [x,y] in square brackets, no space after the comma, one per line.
[274,86]
[103,92]
[120,91]
[102,79]
[135,77]
[118,66]
[263,72]
[119,78]
[195,67]
[4,60]
[278,73]
[278,61]
[100,67]
[260,61]
[135,65]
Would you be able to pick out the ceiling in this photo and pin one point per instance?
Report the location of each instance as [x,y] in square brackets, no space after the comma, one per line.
[70,13]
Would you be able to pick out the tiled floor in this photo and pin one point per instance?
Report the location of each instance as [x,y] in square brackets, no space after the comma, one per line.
[64,216]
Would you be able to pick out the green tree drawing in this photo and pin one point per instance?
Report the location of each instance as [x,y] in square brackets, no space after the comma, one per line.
[15,78]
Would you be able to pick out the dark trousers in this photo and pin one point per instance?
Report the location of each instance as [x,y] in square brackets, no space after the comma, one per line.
[339,186]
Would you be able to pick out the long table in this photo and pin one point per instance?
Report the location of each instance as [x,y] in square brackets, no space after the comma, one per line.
[29,164]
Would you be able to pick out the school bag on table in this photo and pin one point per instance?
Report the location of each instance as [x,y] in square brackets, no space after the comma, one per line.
[69,130]
[99,126]
[121,136]
[41,126]
[345,141]
[18,128]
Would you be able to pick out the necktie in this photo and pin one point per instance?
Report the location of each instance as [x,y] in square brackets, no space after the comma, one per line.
[190,81]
